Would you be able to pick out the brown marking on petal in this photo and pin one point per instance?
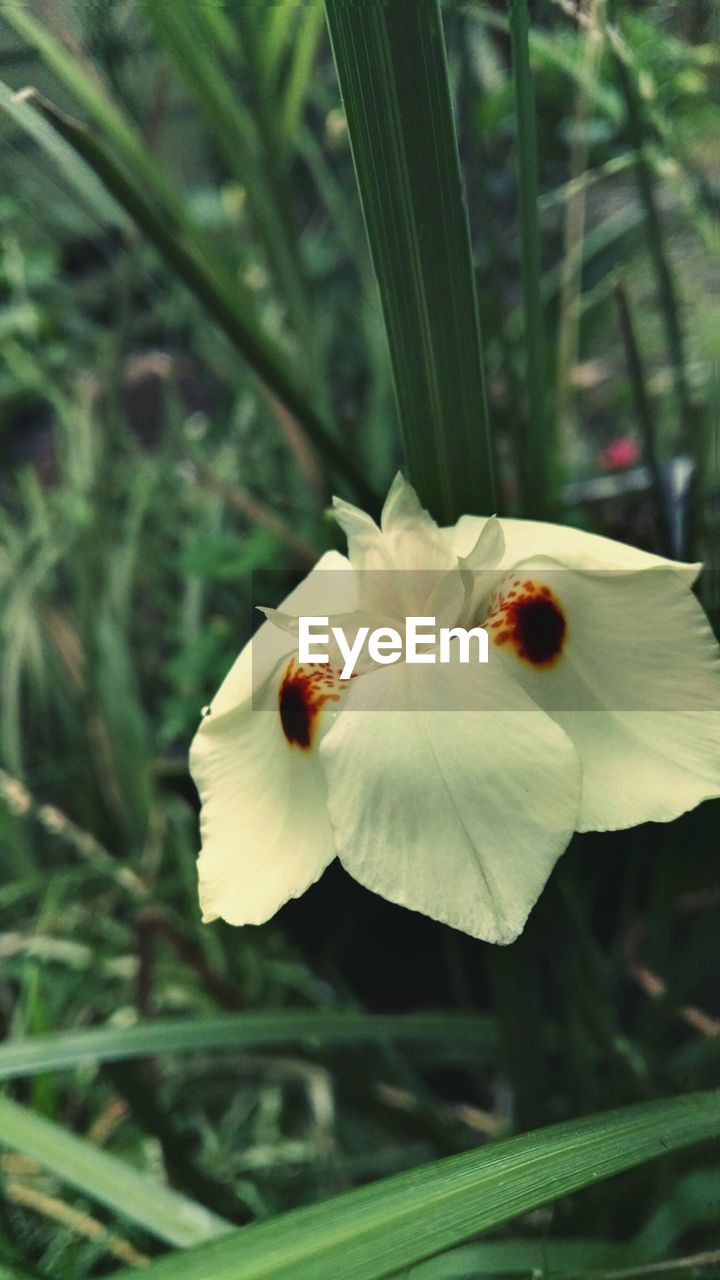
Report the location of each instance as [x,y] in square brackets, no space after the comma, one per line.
[301,699]
[533,622]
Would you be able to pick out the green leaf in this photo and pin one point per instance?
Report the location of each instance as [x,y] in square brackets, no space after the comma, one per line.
[517,1257]
[178,243]
[392,69]
[83,181]
[166,1214]
[308,35]
[127,169]
[62,1050]
[369,1233]
[81,78]
[188,32]
[691,1203]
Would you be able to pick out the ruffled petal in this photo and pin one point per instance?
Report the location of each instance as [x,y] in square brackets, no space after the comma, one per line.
[631,673]
[573,547]
[408,537]
[488,550]
[406,566]
[458,814]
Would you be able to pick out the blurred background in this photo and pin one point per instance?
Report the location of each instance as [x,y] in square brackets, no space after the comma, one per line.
[146,471]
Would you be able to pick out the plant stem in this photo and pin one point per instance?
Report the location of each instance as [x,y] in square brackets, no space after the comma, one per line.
[573,236]
[538,448]
[644,413]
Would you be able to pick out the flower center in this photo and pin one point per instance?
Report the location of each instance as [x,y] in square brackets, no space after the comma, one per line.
[531,619]
[303,693]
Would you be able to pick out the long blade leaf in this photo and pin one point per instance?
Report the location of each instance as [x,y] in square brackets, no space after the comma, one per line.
[119,157]
[372,1232]
[81,79]
[247,1031]
[186,29]
[87,188]
[175,241]
[166,1214]
[392,69]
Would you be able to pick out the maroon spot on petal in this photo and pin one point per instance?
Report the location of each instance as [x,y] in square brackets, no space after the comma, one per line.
[300,703]
[534,623]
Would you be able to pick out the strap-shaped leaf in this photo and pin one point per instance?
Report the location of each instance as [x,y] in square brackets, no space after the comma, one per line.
[377,1230]
[169,231]
[166,1214]
[245,1032]
[392,69]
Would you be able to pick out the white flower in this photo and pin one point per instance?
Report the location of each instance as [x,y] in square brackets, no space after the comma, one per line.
[599,709]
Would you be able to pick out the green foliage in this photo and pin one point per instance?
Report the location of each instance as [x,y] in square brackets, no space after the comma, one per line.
[162,1212]
[393,76]
[370,1233]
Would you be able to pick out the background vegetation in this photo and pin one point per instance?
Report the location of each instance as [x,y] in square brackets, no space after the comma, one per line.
[194,359]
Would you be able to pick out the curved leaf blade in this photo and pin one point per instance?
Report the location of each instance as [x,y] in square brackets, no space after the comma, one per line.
[377,1230]
[166,1214]
[247,1031]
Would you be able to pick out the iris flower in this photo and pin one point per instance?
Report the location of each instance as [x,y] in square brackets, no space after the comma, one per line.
[599,709]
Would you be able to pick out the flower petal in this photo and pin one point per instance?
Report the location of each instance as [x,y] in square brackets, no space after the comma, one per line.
[489,547]
[264,826]
[458,814]
[265,831]
[636,686]
[407,566]
[408,537]
[574,547]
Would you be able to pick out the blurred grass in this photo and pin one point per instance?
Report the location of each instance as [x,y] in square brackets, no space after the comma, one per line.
[147,472]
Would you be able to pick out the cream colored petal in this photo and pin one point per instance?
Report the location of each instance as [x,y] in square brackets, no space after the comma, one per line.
[573,547]
[458,814]
[265,831]
[636,687]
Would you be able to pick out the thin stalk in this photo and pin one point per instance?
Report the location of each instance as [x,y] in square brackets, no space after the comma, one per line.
[643,412]
[491,266]
[516,989]
[691,431]
[538,447]
[190,33]
[641,135]
[573,236]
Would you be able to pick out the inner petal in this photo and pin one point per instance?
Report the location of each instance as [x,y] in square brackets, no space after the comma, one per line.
[304,691]
[530,619]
